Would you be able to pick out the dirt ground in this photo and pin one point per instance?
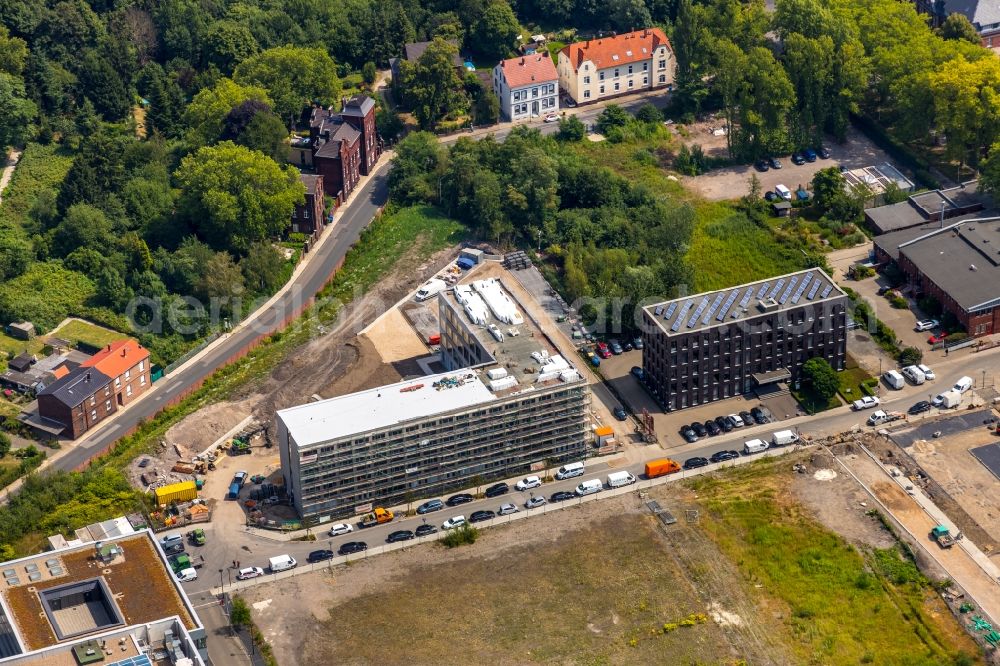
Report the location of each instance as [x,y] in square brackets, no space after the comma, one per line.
[394,338]
[948,461]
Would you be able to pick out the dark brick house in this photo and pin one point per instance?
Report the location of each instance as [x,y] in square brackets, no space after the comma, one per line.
[338,159]
[359,112]
[308,218]
[78,401]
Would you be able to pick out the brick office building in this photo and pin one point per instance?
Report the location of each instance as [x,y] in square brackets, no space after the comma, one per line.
[78,401]
[359,112]
[126,362]
[717,345]
[345,145]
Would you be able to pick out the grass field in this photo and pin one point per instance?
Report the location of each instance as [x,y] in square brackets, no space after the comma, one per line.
[838,605]
[77,330]
[586,598]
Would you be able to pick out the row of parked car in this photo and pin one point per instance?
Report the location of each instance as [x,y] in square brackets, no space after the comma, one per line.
[798,157]
[757,416]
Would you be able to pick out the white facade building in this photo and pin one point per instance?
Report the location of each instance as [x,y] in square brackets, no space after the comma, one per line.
[527,86]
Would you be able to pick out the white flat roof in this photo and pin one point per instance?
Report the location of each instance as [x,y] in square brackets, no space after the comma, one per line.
[317,422]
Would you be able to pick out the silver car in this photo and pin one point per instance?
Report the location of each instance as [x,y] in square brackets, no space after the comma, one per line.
[534,502]
[507,509]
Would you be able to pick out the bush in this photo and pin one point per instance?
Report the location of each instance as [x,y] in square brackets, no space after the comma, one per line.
[956,337]
[898,302]
[466,534]
[910,356]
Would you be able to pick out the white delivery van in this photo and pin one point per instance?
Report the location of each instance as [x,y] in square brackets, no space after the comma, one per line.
[187,575]
[754,446]
[433,286]
[589,487]
[783,192]
[950,399]
[962,385]
[619,479]
[894,380]
[914,374]
[282,563]
[784,438]
[570,470]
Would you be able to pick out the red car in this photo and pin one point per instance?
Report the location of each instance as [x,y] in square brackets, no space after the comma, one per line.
[936,338]
[602,350]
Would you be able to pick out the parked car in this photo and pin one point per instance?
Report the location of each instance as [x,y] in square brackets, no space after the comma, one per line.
[320,556]
[638,372]
[528,482]
[758,415]
[722,456]
[430,505]
[798,159]
[699,429]
[497,489]
[627,346]
[774,163]
[602,350]
[770,196]
[824,152]
[696,462]
[424,530]
[712,428]
[561,496]
[246,573]
[616,347]
[747,417]
[936,338]
[724,423]
[460,498]
[568,102]
[928,373]
[453,522]
[534,502]
[552,118]
[926,324]
[619,413]
[399,535]
[735,420]
[480,516]
[762,165]
[351,547]
[637,343]
[867,402]
[809,154]
[689,436]
[919,408]
[341,528]
[507,509]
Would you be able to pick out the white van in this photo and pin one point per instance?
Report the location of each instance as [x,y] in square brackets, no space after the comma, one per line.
[570,470]
[187,575]
[282,563]
[619,479]
[754,446]
[783,192]
[432,287]
[589,487]
[962,385]
[784,438]
[894,380]
[914,374]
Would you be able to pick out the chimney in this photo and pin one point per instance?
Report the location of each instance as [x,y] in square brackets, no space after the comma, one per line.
[522,60]
[123,352]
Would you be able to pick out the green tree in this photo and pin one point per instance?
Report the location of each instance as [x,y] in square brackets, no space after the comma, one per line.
[496,31]
[625,15]
[612,116]
[828,185]
[221,280]
[293,76]
[692,47]
[262,268]
[965,106]
[252,124]
[4,444]
[910,356]
[571,128]
[648,113]
[369,73]
[16,111]
[431,86]
[104,86]
[111,289]
[235,196]
[15,253]
[389,124]
[821,376]
[83,226]
[239,613]
[13,53]
[166,105]
[958,27]
[386,27]
[207,112]
[228,43]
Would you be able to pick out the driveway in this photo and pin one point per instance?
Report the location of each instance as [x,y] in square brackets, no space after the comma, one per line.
[731,182]
[902,322]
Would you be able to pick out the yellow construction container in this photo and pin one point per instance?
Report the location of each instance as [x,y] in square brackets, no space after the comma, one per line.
[176,492]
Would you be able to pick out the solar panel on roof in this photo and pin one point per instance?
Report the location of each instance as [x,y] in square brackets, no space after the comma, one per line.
[815,288]
[697,313]
[746,297]
[802,288]
[141,660]
[763,290]
[670,310]
[776,288]
[715,306]
[658,311]
[729,304]
[681,315]
[826,292]
[788,290]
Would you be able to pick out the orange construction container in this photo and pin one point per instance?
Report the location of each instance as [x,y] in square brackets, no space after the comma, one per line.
[661,467]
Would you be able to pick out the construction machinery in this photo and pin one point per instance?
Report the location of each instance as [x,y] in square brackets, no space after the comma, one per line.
[942,535]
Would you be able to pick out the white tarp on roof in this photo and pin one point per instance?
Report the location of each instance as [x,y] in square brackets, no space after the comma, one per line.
[473,304]
[500,303]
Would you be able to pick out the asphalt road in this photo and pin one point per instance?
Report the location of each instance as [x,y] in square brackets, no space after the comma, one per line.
[313,277]
[254,547]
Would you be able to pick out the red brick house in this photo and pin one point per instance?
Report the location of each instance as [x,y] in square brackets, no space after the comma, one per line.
[309,217]
[338,160]
[359,112]
[126,362]
[78,401]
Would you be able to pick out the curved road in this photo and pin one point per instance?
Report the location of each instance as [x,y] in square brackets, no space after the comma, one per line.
[314,275]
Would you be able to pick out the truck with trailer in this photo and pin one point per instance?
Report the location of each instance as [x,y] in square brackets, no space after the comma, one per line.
[377,517]
[661,467]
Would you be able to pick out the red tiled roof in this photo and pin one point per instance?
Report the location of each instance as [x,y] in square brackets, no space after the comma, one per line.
[530,69]
[629,47]
[117,357]
[60,372]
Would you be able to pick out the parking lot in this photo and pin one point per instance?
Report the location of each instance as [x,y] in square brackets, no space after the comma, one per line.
[731,182]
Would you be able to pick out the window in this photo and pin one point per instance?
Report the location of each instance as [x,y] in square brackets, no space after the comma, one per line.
[601,76]
[600,90]
[645,80]
[127,374]
[534,92]
[586,80]
[305,215]
[118,380]
[618,86]
[662,64]
[630,69]
[107,405]
[616,72]
[586,94]
[142,380]
[93,414]
[128,390]
[645,66]
[93,401]
[630,82]
[663,78]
